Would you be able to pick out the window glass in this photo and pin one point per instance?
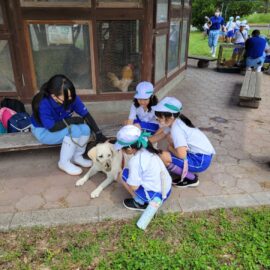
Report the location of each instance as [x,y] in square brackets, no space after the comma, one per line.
[184,42]
[55,2]
[62,49]
[162,11]
[119,55]
[7,82]
[173,44]
[176,3]
[160,57]
[119,3]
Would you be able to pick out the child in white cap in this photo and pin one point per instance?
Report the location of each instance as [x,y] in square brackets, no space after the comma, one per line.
[190,151]
[140,111]
[146,176]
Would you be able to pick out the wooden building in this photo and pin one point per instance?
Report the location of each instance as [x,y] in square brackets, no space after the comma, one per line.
[104,46]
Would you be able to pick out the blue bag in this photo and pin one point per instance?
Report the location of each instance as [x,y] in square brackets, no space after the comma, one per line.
[2,129]
[19,122]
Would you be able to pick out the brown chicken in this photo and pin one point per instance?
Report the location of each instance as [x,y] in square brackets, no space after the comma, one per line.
[127,78]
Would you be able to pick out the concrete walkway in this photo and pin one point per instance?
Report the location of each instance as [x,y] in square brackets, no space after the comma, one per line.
[34,192]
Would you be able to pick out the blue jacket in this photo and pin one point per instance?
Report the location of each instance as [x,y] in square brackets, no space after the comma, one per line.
[51,112]
[255,47]
[216,22]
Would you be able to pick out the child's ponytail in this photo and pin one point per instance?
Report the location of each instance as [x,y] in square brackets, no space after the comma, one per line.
[37,99]
[186,120]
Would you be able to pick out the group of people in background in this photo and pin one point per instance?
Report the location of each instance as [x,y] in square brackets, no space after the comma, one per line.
[253,48]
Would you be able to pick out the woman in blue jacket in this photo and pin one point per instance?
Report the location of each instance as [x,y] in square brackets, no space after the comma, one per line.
[53,122]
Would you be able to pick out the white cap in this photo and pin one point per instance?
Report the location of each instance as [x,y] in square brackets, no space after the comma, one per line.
[242,24]
[144,90]
[168,104]
[237,17]
[244,21]
[129,135]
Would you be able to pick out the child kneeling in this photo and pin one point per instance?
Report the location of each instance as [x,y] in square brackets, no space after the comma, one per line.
[146,176]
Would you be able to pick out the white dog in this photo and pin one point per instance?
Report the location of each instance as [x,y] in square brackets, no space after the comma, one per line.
[105,159]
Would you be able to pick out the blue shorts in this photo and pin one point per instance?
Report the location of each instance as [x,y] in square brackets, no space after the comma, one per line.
[230,33]
[147,126]
[47,137]
[250,62]
[144,195]
[196,162]
[238,50]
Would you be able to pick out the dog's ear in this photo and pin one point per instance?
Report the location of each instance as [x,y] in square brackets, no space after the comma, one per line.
[92,153]
[112,149]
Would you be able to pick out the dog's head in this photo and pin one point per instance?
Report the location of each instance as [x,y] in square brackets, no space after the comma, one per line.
[102,154]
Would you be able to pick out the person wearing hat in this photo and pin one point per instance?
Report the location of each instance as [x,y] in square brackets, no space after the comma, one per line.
[239,39]
[230,29]
[146,176]
[237,24]
[140,111]
[189,150]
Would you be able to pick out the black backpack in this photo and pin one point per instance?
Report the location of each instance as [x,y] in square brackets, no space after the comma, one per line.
[13,104]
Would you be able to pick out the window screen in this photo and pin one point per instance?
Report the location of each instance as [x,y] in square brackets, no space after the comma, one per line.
[62,49]
[119,55]
[54,3]
[173,44]
[119,3]
[7,82]
[184,39]
[160,57]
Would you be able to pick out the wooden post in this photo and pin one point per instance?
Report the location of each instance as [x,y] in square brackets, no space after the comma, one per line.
[147,50]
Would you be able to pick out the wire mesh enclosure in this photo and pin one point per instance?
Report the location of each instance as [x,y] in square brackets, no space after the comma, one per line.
[119,55]
[230,57]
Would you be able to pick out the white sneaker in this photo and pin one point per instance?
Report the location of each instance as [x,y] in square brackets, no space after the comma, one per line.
[213,55]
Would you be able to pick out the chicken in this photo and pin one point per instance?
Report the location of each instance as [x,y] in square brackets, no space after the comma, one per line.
[127,78]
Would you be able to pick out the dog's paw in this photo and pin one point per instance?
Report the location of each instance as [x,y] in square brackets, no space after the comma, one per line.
[80,182]
[95,193]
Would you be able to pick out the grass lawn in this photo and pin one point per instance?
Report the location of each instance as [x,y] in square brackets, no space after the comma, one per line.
[258,18]
[220,239]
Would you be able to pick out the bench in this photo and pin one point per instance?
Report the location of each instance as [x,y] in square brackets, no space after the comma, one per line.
[26,141]
[250,92]
[203,61]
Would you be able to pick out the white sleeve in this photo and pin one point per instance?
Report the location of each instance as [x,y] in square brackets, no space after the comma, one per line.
[178,137]
[134,178]
[132,113]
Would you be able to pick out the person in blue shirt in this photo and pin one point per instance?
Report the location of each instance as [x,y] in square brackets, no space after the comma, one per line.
[53,122]
[255,51]
[216,23]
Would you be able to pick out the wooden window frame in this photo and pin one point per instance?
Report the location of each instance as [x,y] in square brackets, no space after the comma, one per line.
[62,22]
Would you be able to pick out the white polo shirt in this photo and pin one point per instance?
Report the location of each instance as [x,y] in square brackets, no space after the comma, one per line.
[145,170]
[230,26]
[194,139]
[143,115]
[240,38]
